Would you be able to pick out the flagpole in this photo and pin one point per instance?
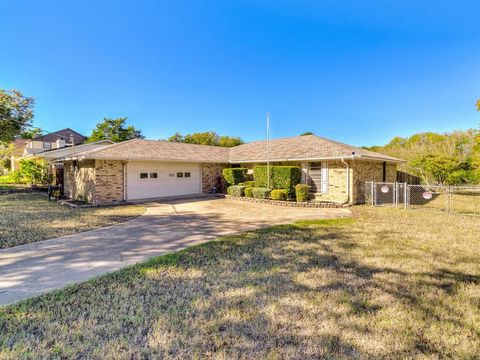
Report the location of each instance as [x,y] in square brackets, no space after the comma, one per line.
[268,151]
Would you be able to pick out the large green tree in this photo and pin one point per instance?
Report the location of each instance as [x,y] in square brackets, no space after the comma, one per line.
[16,114]
[437,158]
[114,130]
[207,138]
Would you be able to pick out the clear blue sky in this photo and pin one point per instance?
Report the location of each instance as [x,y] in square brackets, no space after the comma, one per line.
[355,71]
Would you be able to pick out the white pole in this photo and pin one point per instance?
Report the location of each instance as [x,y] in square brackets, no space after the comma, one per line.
[268,151]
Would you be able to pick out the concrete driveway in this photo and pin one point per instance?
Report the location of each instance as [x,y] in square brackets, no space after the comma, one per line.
[37,268]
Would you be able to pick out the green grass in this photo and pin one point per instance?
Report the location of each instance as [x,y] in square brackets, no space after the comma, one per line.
[388,284]
[29,217]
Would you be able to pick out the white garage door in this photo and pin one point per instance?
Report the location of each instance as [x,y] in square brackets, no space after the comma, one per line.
[150,180]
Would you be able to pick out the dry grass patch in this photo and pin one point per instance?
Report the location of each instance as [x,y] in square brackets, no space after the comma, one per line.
[28,217]
[388,284]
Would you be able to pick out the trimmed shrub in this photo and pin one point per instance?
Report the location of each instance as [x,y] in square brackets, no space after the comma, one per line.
[260,193]
[248,191]
[250,183]
[236,190]
[281,177]
[301,192]
[234,176]
[279,194]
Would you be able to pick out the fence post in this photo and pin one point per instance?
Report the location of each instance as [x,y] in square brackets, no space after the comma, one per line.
[396,194]
[405,196]
[373,193]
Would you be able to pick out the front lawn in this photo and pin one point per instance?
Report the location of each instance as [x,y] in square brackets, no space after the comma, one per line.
[29,217]
[387,284]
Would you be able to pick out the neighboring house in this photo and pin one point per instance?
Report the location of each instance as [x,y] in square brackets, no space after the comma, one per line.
[42,143]
[142,169]
[18,151]
[55,140]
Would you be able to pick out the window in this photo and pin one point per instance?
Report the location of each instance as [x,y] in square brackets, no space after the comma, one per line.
[143,175]
[153,175]
[187,174]
[179,175]
[47,145]
[171,175]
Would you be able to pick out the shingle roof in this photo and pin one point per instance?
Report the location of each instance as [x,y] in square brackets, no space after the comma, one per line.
[160,150]
[55,154]
[309,147]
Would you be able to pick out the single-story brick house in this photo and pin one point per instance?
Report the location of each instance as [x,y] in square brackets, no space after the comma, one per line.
[142,169]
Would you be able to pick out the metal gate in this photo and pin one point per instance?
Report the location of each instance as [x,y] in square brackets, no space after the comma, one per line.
[459,199]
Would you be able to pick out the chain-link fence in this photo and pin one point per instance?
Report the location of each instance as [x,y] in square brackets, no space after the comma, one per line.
[458,199]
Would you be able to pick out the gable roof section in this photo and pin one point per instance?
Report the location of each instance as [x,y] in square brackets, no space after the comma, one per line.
[54,154]
[307,147]
[159,150]
[299,148]
[63,134]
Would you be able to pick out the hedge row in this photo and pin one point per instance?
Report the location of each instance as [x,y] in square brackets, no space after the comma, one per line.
[234,176]
[281,177]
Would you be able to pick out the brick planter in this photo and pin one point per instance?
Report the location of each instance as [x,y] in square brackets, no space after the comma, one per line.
[321,205]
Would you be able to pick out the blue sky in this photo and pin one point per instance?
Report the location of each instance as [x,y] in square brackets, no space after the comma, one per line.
[355,71]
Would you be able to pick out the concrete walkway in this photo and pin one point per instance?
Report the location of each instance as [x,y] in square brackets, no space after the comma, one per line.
[37,268]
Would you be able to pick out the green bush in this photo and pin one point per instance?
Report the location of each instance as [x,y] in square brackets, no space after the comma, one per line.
[234,176]
[301,192]
[236,190]
[281,177]
[248,191]
[250,183]
[260,193]
[279,194]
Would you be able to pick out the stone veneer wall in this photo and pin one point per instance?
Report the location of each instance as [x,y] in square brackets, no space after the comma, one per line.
[80,183]
[364,171]
[337,183]
[109,181]
[212,176]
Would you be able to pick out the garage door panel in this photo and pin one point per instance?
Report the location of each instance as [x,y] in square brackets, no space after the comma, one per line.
[171,179]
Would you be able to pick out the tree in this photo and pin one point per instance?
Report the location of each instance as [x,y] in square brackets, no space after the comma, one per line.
[307,133]
[206,138]
[16,113]
[430,156]
[114,130]
[34,172]
[30,133]
[478,105]
[6,152]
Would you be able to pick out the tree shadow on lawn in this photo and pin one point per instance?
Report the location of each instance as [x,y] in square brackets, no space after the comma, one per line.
[285,292]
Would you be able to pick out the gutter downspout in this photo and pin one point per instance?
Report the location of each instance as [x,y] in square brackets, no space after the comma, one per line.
[348,180]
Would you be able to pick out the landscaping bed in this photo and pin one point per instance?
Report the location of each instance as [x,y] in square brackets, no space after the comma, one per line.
[386,284]
[30,217]
[309,204]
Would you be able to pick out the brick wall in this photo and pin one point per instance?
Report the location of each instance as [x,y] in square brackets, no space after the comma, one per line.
[212,176]
[337,183]
[369,171]
[79,183]
[109,181]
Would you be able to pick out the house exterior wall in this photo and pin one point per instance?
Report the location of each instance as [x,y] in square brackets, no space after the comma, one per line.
[212,176]
[109,181]
[369,171]
[337,183]
[80,183]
